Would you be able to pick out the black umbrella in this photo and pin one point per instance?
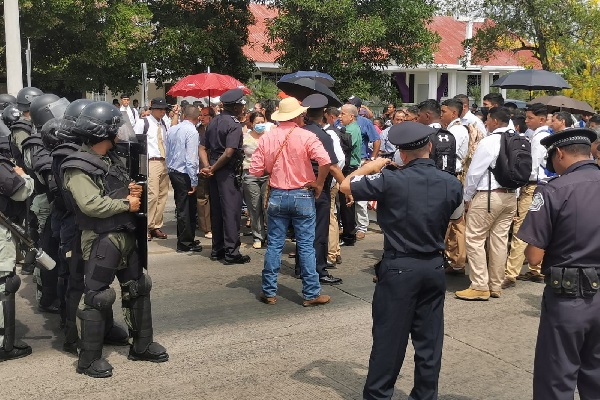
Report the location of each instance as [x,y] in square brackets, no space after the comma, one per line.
[301,88]
[532,79]
[322,77]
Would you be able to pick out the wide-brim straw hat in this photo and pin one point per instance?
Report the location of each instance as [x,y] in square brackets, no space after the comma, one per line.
[289,108]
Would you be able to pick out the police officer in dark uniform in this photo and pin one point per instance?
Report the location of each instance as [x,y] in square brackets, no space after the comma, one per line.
[414,206]
[562,237]
[316,104]
[104,199]
[220,157]
[5,101]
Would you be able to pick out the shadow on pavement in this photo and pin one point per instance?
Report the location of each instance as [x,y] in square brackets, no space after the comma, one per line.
[252,283]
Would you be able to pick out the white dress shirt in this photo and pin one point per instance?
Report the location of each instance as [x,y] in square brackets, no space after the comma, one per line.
[538,154]
[470,118]
[152,134]
[462,141]
[485,156]
[132,114]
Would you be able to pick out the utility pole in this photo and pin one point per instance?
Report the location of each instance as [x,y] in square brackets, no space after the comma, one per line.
[14,67]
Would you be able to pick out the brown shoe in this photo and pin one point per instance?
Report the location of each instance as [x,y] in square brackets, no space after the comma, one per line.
[495,294]
[157,233]
[472,294]
[508,283]
[531,276]
[267,300]
[317,301]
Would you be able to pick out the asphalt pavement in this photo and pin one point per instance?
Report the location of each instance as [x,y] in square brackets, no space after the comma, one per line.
[225,344]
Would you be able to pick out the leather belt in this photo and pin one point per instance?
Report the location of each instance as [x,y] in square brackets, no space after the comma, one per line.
[500,190]
[156,159]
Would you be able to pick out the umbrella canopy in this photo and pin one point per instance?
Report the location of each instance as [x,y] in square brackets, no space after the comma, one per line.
[322,77]
[565,103]
[206,84]
[532,79]
[301,88]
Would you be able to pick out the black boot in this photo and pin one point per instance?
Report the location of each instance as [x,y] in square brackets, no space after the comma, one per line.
[90,361]
[11,348]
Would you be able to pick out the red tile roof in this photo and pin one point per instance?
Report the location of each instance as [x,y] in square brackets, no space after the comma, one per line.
[451,31]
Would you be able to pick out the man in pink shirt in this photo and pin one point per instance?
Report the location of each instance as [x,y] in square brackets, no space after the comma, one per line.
[285,153]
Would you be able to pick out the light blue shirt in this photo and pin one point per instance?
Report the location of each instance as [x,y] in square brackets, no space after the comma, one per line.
[182,150]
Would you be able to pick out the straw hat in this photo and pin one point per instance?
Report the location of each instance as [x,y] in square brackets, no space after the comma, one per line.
[289,108]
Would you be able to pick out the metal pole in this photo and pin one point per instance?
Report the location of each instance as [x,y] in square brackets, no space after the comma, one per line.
[28,61]
[14,67]
[144,85]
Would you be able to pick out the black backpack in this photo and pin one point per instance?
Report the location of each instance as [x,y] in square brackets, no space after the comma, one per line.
[443,150]
[514,163]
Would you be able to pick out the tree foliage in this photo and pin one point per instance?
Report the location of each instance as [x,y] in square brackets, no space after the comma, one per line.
[564,36]
[352,41]
[191,36]
[85,45]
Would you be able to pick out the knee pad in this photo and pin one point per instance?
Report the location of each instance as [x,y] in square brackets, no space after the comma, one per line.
[12,283]
[100,300]
[141,287]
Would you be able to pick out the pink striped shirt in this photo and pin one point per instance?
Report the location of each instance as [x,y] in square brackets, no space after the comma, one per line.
[293,169]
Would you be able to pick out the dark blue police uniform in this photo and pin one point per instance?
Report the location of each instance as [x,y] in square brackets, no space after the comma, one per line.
[567,352]
[414,207]
[225,131]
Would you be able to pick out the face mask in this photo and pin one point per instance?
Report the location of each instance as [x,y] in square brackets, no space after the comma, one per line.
[260,128]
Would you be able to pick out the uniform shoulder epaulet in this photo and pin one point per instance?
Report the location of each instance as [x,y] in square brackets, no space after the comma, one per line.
[86,162]
[234,119]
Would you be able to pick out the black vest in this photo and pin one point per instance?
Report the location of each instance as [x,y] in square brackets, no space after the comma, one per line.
[55,186]
[27,126]
[114,182]
[10,182]
[35,147]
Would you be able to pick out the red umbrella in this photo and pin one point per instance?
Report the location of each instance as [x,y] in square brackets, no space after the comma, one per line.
[206,84]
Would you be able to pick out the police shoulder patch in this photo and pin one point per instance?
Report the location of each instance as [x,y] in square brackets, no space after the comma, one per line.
[235,119]
[374,176]
[537,202]
[357,178]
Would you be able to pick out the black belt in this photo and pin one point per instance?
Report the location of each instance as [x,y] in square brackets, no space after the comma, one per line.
[499,190]
[156,159]
[572,282]
[396,253]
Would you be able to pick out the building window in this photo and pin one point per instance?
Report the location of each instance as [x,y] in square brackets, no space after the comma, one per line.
[96,96]
[473,85]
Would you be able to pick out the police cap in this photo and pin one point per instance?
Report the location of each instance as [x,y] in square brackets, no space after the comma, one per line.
[410,135]
[568,137]
[355,101]
[316,100]
[159,103]
[233,96]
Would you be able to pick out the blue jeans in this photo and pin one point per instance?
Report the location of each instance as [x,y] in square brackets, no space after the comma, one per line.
[297,206]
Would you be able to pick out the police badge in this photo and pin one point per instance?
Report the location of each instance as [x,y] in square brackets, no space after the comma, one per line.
[537,202]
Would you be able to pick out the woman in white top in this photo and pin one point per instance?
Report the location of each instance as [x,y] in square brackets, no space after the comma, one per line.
[255,188]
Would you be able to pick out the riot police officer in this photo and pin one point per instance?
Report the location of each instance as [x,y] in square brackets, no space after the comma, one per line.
[105,200]
[15,188]
[5,101]
[23,128]
[410,291]
[220,158]
[562,237]
[10,115]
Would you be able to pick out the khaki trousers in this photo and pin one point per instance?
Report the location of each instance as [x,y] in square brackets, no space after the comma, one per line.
[203,203]
[158,189]
[333,247]
[517,246]
[495,224]
[456,244]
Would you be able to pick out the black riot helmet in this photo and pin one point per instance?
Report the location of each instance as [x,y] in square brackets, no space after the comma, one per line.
[5,100]
[10,115]
[25,96]
[68,121]
[97,122]
[45,107]
[48,133]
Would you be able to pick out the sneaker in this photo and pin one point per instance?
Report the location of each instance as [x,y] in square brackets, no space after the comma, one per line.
[208,235]
[472,294]
[360,235]
[495,294]
[257,245]
[317,301]
[267,300]
[531,276]
[338,259]
[508,283]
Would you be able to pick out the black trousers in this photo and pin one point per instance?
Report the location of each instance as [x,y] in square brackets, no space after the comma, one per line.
[348,214]
[225,213]
[408,299]
[567,353]
[185,204]
[323,208]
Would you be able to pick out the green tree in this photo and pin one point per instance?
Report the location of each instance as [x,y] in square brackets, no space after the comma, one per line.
[352,41]
[261,90]
[81,45]
[190,36]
